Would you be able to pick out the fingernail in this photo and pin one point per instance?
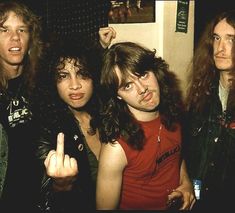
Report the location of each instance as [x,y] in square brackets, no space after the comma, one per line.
[61,135]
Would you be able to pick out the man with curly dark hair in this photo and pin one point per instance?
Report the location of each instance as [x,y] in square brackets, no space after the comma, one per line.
[140,163]
[67,107]
[210,124]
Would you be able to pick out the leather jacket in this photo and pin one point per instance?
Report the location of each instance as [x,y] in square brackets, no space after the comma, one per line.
[210,152]
[82,195]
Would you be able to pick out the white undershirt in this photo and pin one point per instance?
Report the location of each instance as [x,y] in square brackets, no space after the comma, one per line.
[223,95]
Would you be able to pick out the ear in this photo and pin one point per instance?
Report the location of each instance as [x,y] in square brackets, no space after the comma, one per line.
[119,97]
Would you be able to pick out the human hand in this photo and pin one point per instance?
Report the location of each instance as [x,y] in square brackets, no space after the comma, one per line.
[188,198]
[106,34]
[175,200]
[60,167]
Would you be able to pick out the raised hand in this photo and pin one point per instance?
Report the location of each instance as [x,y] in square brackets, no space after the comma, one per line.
[60,167]
[106,34]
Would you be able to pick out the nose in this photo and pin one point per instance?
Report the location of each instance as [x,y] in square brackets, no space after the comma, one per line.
[141,88]
[15,36]
[75,84]
[221,46]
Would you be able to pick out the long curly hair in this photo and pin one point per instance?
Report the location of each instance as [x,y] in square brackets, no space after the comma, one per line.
[203,73]
[35,44]
[84,54]
[117,119]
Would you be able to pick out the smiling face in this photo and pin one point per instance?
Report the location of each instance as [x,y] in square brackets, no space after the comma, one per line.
[141,93]
[73,86]
[222,45]
[14,40]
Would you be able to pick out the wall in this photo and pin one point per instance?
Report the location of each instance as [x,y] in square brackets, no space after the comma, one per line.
[178,47]
[175,47]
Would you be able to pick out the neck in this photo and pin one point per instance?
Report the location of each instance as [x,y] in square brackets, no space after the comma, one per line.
[225,79]
[82,116]
[146,116]
[84,122]
[13,71]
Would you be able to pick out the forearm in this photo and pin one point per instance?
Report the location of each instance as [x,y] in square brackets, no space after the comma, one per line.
[184,177]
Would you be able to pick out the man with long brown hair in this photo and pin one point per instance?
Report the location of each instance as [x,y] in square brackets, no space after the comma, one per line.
[20,49]
[140,166]
[211,130]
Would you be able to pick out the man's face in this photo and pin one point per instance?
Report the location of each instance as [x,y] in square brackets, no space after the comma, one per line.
[141,93]
[14,40]
[74,88]
[222,45]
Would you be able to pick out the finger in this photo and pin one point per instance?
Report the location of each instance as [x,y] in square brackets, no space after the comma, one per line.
[60,149]
[67,162]
[175,194]
[107,30]
[74,165]
[113,32]
[109,36]
[192,203]
[46,161]
[185,205]
[103,31]
[187,201]
[51,169]
[175,198]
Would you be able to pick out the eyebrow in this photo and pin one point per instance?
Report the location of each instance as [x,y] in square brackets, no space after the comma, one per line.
[126,80]
[123,83]
[231,35]
[228,35]
[20,26]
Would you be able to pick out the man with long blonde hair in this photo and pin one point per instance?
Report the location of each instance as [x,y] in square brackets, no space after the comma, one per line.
[210,124]
[20,50]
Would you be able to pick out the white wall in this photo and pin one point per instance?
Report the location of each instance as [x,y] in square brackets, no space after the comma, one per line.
[178,47]
[175,47]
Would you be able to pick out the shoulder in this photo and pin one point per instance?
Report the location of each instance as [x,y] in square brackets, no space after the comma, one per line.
[113,154]
[114,148]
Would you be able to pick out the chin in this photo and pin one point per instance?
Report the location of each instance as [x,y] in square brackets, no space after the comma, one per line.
[220,66]
[223,68]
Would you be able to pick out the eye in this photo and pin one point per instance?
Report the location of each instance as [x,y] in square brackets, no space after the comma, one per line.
[23,30]
[127,86]
[231,39]
[145,75]
[216,38]
[82,74]
[62,75]
[3,30]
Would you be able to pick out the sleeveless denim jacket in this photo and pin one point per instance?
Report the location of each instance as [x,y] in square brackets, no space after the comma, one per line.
[3,157]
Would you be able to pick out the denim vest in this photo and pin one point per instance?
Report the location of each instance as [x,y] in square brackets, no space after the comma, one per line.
[3,157]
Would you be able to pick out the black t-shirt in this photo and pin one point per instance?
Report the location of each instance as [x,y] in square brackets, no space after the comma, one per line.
[22,178]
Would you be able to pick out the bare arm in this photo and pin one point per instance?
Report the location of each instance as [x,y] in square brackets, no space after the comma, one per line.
[109,180]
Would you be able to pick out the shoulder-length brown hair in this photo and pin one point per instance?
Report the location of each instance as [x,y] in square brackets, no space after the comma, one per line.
[117,120]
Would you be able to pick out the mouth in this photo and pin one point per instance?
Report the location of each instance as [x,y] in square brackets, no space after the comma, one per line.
[147,97]
[76,96]
[14,49]
[221,57]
